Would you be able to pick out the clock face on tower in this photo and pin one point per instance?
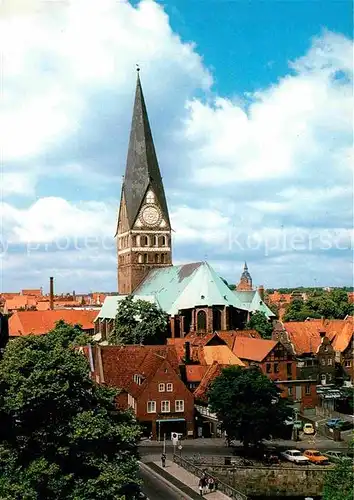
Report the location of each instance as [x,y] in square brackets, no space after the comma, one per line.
[150,215]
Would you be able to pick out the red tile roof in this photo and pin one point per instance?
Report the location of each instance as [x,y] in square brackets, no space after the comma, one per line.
[195,373]
[305,335]
[231,335]
[253,349]
[121,363]
[41,322]
[36,292]
[201,392]
[344,337]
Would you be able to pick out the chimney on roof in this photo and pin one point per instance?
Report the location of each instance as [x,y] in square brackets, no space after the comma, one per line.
[74,295]
[261,291]
[51,293]
[187,352]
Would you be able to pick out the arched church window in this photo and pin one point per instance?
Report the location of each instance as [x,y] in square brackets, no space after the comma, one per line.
[201,321]
[156,241]
[133,240]
[162,258]
[143,240]
[216,319]
[140,258]
[150,198]
[145,258]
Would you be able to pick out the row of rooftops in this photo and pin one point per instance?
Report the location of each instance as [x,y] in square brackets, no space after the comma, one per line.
[305,337]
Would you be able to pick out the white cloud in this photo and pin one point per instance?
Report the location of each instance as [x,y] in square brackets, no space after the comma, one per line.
[53,219]
[264,165]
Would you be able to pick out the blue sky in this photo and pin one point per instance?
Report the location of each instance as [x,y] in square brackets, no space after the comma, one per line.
[249,103]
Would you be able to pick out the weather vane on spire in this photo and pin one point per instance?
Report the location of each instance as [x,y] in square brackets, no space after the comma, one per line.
[137,68]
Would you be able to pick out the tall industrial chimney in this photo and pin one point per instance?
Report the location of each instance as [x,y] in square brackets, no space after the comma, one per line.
[51,292]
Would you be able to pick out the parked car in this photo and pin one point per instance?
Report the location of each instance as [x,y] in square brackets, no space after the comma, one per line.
[337,456]
[344,425]
[332,422]
[308,429]
[295,456]
[315,457]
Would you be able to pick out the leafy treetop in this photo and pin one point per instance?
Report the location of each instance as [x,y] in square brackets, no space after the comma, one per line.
[139,322]
[61,436]
[261,324]
[248,405]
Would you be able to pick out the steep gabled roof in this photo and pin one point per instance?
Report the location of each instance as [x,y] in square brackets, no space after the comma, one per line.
[253,349]
[343,338]
[305,335]
[201,392]
[187,286]
[121,363]
[142,169]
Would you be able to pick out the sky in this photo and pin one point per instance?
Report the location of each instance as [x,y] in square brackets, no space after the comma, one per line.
[250,104]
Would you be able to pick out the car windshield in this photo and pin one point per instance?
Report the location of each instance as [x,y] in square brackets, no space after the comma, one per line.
[295,453]
[316,454]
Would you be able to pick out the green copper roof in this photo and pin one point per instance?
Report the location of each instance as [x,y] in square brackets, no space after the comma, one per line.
[110,305]
[251,300]
[188,286]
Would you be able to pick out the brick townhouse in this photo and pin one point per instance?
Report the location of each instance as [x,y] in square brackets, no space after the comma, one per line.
[150,384]
[311,343]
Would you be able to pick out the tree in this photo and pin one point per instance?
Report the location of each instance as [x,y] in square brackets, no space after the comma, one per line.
[248,405]
[61,436]
[139,322]
[339,481]
[261,324]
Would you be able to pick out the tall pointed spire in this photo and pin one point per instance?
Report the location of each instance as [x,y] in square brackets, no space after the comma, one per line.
[142,169]
[245,268]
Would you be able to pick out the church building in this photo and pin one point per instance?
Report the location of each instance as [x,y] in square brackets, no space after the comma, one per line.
[195,297]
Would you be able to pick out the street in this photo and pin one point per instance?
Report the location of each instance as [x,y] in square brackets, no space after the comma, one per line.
[151,451]
[156,489]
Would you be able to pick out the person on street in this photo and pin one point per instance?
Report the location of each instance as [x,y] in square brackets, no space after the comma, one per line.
[201,486]
[163,460]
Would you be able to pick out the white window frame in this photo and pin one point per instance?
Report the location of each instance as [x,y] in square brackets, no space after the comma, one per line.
[152,407]
[329,361]
[165,406]
[161,387]
[169,387]
[348,363]
[179,405]
[137,379]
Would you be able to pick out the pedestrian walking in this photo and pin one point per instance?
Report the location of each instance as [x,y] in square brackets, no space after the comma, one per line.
[163,460]
[210,484]
[201,486]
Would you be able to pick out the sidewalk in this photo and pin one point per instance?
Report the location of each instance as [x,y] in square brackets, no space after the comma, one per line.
[189,479]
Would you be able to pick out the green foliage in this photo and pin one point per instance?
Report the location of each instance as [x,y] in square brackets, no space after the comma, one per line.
[261,324]
[330,305]
[339,482]
[248,405]
[61,436]
[139,322]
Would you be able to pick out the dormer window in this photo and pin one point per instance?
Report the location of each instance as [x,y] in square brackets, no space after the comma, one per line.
[138,379]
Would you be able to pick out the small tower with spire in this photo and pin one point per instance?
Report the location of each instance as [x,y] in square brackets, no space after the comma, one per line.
[143,229]
[245,283]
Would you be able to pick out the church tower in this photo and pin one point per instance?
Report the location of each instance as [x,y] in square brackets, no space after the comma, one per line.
[245,283]
[144,229]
